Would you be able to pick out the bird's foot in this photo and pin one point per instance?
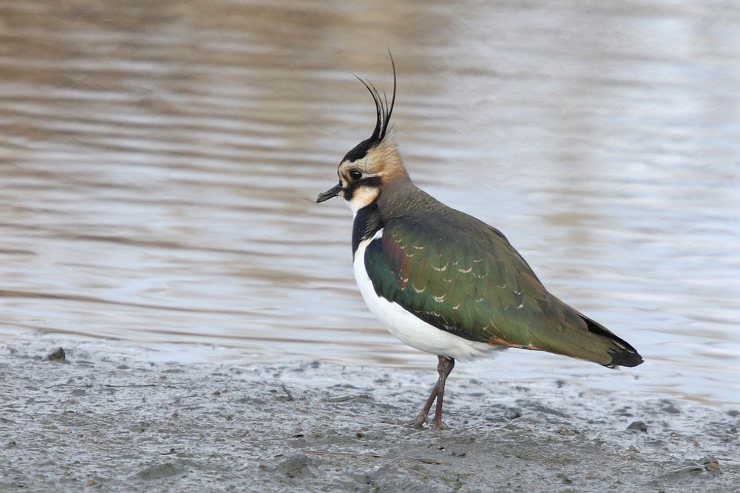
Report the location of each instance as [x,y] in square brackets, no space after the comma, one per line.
[418,422]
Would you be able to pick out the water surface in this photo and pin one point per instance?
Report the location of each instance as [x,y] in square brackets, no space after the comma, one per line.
[159,163]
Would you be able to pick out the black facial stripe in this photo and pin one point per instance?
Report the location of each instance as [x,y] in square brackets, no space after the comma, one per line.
[370,181]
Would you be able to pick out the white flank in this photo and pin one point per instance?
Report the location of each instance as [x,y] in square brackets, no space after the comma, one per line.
[406,326]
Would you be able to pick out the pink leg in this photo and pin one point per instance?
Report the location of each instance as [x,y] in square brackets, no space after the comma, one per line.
[444,367]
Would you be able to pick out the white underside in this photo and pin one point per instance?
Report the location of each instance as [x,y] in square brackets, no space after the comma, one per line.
[406,326]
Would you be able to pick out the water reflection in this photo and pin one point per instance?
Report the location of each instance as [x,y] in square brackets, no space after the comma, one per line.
[159,164]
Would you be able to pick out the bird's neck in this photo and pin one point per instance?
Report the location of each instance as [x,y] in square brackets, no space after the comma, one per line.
[403,197]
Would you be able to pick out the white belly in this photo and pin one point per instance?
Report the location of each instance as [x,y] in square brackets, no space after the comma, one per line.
[406,326]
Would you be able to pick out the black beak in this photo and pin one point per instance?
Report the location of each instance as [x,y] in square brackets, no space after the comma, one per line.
[329,194]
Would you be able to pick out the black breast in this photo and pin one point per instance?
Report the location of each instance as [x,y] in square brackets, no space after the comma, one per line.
[367,223]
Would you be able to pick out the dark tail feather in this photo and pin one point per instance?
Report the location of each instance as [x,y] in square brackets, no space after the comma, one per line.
[621,352]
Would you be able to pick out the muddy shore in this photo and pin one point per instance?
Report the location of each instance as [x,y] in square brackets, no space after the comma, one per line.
[105,420]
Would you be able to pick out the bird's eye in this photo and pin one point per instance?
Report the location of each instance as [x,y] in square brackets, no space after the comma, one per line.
[355,175]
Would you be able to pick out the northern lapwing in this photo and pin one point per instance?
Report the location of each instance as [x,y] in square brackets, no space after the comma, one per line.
[445,282]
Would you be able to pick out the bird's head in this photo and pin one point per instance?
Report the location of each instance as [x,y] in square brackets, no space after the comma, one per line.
[372,164]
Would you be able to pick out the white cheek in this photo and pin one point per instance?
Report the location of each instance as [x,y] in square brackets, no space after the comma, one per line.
[356,203]
[362,197]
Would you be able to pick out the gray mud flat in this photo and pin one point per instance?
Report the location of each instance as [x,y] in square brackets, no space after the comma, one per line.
[111,422]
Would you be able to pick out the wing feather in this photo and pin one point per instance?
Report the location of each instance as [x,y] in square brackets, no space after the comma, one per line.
[463,276]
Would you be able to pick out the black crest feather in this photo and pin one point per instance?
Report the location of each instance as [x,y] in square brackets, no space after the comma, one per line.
[383,112]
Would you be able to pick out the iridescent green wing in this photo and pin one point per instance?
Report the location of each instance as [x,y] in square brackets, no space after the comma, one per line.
[462,276]
[451,277]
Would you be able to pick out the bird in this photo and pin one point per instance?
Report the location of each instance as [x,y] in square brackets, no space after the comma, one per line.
[444,282]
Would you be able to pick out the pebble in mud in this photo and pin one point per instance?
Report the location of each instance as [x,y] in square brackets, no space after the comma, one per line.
[711,464]
[57,355]
[512,413]
[638,426]
[669,407]
[296,466]
[161,471]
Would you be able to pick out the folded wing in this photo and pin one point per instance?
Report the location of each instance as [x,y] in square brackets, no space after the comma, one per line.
[471,282]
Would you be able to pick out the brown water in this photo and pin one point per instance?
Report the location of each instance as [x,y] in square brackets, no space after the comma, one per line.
[159,162]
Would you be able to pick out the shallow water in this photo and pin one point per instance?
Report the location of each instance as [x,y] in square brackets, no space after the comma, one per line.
[160,162]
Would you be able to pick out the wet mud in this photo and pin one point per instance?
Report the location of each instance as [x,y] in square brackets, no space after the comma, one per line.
[95,417]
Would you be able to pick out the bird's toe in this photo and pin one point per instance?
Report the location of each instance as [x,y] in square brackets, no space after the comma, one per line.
[418,422]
